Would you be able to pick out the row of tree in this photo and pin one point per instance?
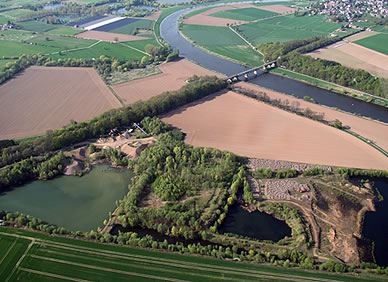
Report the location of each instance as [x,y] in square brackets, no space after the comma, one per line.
[116,118]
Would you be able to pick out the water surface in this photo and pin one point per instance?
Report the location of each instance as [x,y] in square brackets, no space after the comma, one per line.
[72,202]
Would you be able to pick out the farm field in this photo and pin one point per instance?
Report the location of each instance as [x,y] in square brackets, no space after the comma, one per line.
[46,258]
[370,129]
[229,121]
[36,26]
[223,41]
[245,14]
[381,28]
[378,42]
[355,56]
[141,44]
[286,28]
[115,25]
[360,35]
[276,8]
[131,28]
[204,18]
[63,30]
[42,98]
[108,36]
[107,49]
[173,76]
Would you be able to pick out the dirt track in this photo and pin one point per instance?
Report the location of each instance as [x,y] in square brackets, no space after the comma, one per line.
[246,127]
[108,36]
[173,77]
[44,98]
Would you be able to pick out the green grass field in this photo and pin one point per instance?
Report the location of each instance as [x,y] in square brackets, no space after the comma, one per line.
[3,63]
[36,26]
[132,27]
[286,28]
[4,19]
[107,49]
[381,28]
[10,48]
[62,42]
[246,14]
[211,35]
[141,44]
[378,42]
[64,30]
[13,14]
[39,257]
[223,41]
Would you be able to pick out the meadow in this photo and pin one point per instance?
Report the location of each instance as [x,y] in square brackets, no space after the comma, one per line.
[45,258]
[131,28]
[223,41]
[286,28]
[36,26]
[378,42]
[245,14]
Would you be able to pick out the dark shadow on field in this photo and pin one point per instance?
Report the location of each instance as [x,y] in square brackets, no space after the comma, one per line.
[182,109]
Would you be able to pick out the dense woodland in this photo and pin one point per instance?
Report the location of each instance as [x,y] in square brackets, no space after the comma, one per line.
[289,55]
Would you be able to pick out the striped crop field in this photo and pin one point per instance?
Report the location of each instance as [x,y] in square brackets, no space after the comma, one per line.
[28,256]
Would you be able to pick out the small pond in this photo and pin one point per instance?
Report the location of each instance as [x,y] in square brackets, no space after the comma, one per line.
[257,225]
[75,203]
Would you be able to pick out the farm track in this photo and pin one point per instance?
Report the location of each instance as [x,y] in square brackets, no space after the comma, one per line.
[75,49]
[51,275]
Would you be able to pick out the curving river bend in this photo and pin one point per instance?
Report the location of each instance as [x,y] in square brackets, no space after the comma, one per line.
[169,32]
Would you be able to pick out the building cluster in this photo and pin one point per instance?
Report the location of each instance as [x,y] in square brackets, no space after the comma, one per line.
[6,26]
[351,10]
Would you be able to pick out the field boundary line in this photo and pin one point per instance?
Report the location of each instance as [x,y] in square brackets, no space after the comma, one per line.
[9,249]
[138,50]
[189,264]
[152,265]
[246,41]
[75,49]
[52,275]
[20,260]
[107,269]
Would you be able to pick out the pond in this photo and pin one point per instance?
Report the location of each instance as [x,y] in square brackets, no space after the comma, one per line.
[257,225]
[375,225]
[75,203]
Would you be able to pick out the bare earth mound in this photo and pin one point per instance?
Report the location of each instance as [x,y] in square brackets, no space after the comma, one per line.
[44,98]
[108,36]
[375,131]
[205,19]
[239,124]
[277,9]
[355,56]
[173,77]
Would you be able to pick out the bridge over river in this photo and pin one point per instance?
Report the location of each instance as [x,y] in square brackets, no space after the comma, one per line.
[251,73]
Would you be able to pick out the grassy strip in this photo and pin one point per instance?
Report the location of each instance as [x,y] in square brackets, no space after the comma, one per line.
[9,262]
[378,148]
[333,87]
[116,95]
[166,257]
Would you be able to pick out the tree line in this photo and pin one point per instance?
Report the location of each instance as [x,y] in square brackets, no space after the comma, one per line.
[289,55]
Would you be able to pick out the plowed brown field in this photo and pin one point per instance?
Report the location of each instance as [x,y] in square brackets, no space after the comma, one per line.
[44,98]
[205,19]
[355,56]
[277,9]
[239,124]
[108,36]
[173,77]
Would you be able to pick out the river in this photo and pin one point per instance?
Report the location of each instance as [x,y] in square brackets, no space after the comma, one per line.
[169,32]
[75,203]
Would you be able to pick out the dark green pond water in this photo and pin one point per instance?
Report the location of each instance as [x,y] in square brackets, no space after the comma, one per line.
[257,225]
[72,202]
